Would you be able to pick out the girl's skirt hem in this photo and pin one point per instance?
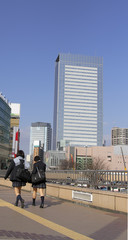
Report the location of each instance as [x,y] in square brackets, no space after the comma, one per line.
[18,184]
[40,185]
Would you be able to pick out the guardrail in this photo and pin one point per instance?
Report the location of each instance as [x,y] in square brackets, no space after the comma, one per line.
[92,178]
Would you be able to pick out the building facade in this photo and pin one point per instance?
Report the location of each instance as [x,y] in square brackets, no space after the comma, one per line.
[14,129]
[111,157]
[119,136]
[40,131]
[78,100]
[53,159]
[5,114]
[38,150]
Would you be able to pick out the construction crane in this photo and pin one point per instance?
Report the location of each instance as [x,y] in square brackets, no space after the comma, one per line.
[123,159]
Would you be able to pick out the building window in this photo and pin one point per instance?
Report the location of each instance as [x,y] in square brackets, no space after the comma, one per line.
[109,158]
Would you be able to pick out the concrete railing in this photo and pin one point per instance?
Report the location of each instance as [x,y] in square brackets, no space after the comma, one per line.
[93,178]
[107,200]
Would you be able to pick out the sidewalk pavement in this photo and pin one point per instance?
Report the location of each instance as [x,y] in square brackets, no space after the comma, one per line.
[58,220]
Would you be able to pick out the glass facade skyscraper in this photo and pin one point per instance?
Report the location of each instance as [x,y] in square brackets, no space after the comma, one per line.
[40,131]
[78,100]
[5,115]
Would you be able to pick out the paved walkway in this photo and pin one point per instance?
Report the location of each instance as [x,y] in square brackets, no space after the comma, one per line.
[58,220]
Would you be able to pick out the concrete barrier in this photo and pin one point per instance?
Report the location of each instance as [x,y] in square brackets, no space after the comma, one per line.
[113,201]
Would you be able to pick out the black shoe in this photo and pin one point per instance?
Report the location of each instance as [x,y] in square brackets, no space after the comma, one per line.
[42,205]
[16,204]
[33,204]
[22,203]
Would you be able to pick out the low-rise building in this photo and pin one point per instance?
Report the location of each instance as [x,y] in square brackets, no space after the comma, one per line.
[111,157]
[53,159]
[83,158]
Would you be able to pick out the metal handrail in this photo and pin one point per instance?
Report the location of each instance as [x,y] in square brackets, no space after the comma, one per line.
[93,178]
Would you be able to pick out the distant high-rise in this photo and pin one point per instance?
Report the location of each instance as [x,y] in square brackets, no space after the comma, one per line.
[14,129]
[78,100]
[119,136]
[38,150]
[5,115]
[40,131]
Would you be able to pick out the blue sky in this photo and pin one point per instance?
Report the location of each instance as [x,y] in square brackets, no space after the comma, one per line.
[33,32]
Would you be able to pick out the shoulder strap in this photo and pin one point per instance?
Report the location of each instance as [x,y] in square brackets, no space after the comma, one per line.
[22,163]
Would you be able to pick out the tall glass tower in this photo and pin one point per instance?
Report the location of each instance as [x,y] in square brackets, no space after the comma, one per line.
[40,131]
[5,115]
[78,100]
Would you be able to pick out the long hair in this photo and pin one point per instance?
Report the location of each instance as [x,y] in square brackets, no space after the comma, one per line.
[36,158]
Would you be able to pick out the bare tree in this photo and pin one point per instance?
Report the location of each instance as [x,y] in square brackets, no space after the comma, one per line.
[92,164]
[66,164]
[71,165]
[98,164]
[63,164]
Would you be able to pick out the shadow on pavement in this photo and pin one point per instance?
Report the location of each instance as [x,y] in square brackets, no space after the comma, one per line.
[32,236]
[47,203]
[112,230]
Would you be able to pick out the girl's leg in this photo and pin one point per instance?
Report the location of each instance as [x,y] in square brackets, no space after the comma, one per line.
[34,196]
[18,196]
[42,193]
[17,191]
[20,190]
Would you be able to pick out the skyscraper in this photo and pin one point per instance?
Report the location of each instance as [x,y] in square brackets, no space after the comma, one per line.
[14,129]
[5,115]
[40,131]
[78,100]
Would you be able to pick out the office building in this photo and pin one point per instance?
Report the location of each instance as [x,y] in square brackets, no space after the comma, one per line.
[5,113]
[104,157]
[119,136]
[78,101]
[38,150]
[40,131]
[53,159]
[14,129]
